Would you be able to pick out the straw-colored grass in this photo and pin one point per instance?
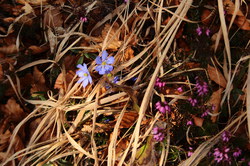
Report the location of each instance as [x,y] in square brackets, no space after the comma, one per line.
[67,140]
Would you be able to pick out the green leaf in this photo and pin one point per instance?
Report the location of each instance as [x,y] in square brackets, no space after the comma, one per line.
[146,154]
[80,60]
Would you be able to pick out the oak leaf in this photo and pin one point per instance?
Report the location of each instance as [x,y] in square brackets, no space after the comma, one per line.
[214,101]
[216,76]
[33,2]
[240,20]
[13,110]
[38,82]
[198,121]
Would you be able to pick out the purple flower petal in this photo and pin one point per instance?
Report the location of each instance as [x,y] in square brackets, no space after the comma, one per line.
[98,60]
[85,82]
[104,55]
[110,60]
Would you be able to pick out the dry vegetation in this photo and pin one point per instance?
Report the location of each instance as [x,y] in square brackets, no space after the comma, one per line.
[48,119]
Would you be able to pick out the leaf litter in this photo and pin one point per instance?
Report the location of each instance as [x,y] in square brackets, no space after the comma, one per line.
[174,86]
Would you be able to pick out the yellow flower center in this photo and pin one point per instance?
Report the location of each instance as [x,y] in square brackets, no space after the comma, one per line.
[104,63]
[85,74]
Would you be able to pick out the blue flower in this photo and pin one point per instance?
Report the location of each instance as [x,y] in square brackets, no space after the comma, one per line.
[116,79]
[84,75]
[104,63]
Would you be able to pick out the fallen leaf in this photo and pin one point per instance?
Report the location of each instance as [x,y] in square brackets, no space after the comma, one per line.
[207,16]
[33,2]
[146,154]
[33,126]
[240,20]
[4,135]
[1,72]
[198,121]
[216,76]
[215,100]
[38,82]
[129,54]
[182,44]
[33,50]
[9,49]
[110,35]
[128,119]
[53,17]
[121,147]
[27,8]
[13,110]
[60,84]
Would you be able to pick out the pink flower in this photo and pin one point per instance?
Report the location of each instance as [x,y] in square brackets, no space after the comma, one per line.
[199,31]
[83,19]
[237,152]
[202,87]
[189,123]
[193,102]
[205,113]
[208,32]
[190,152]
[159,84]
[180,89]
[226,136]
[222,154]
[163,107]
[158,134]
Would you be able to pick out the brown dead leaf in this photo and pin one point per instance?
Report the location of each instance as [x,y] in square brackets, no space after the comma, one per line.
[113,38]
[240,20]
[99,128]
[1,72]
[33,50]
[128,119]
[33,2]
[146,155]
[38,82]
[33,126]
[53,18]
[9,49]
[26,20]
[121,147]
[60,84]
[129,54]
[207,17]
[215,100]
[182,44]
[198,121]
[180,30]
[216,76]
[5,135]
[13,110]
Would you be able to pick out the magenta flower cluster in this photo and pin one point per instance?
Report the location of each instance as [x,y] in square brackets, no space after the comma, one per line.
[201,86]
[192,101]
[199,31]
[158,134]
[159,83]
[103,67]
[224,154]
[190,152]
[163,107]
[225,136]
[221,154]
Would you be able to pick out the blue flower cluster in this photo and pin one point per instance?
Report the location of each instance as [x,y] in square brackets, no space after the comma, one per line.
[104,66]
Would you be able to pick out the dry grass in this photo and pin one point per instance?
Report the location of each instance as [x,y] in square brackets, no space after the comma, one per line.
[66,141]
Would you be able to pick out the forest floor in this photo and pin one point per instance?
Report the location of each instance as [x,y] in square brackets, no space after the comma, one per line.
[124,82]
